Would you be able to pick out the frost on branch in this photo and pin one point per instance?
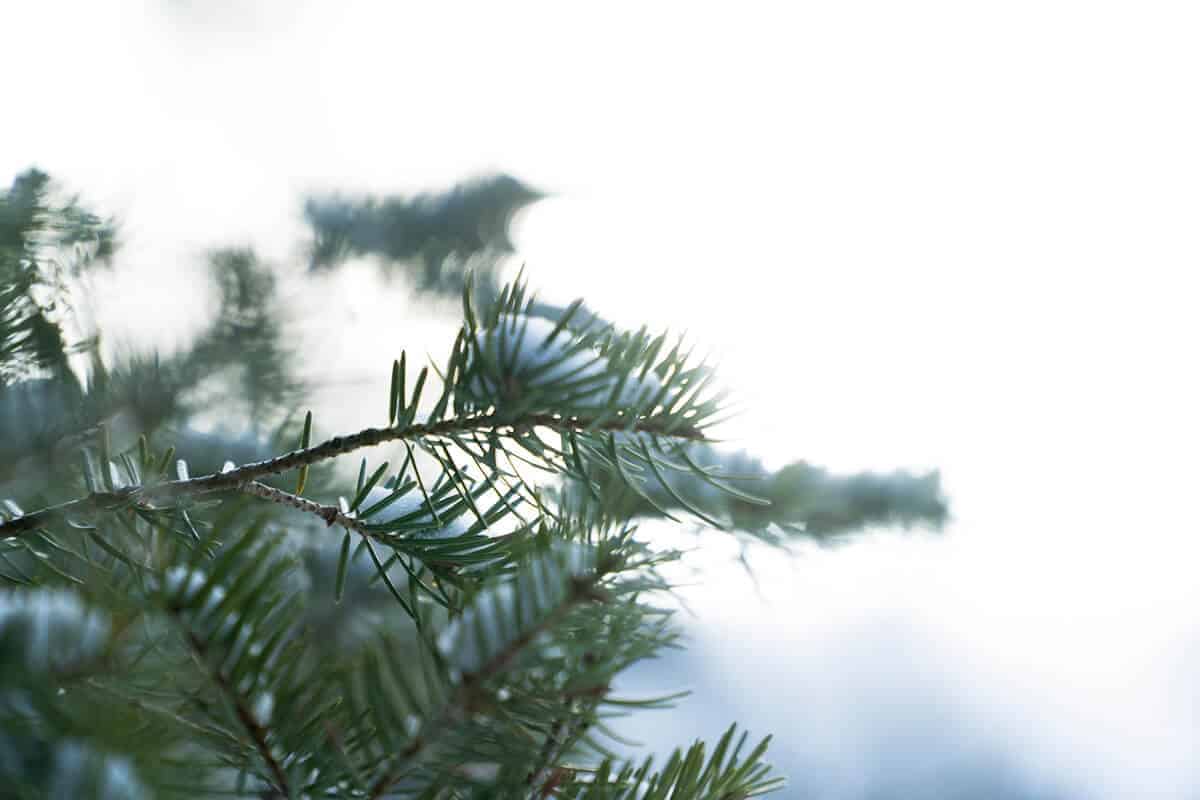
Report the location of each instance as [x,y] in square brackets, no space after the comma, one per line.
[537,365]
[505,612]
[411,509]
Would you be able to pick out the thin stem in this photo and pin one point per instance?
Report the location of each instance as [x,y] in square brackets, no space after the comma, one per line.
[339,445]
[331,514]
[168,713]
[563,733]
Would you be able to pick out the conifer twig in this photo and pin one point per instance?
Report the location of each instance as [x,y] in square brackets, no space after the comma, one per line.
[331,513]
[339,445]
[583,589]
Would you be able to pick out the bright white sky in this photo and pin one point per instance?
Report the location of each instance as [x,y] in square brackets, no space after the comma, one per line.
[926,234]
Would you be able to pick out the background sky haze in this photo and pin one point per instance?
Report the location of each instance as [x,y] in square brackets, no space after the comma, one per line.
[945,235]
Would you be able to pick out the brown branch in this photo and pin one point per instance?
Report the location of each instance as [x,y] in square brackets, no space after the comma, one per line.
[583,589]
[245,716]
[339,445]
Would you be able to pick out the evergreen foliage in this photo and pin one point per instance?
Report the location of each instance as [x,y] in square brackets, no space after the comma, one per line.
[188,614]
[432,237]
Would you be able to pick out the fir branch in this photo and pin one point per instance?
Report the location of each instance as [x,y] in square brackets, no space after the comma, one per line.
[245,715]
[665,425]
[492,688]
[582,589]
[466,699]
